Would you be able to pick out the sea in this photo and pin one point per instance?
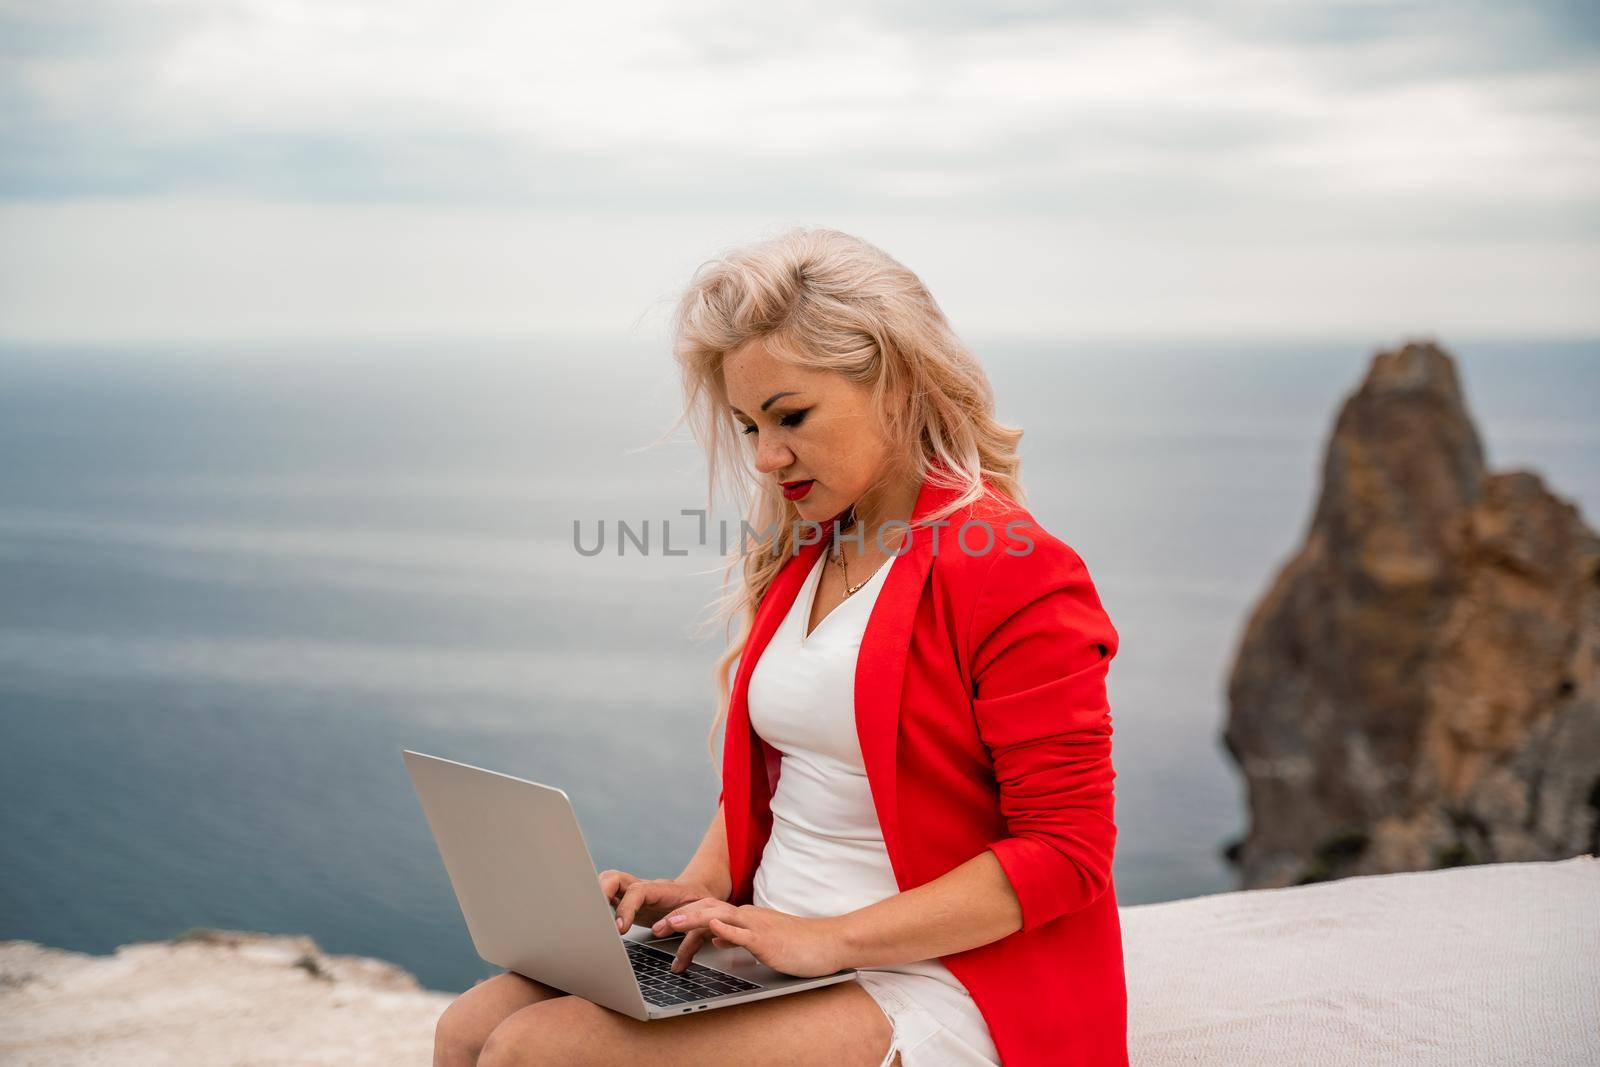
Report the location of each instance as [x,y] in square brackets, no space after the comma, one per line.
[237,580]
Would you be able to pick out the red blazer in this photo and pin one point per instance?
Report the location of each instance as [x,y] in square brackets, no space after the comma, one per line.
[981,708]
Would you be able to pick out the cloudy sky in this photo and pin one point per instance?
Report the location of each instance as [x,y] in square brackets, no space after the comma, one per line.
[403,168]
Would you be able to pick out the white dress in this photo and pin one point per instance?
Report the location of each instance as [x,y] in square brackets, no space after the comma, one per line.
[826,854]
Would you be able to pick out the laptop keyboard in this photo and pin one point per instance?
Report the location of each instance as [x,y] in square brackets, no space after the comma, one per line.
[660,985]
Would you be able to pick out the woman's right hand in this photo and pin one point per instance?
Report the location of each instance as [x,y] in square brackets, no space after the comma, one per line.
[645,901]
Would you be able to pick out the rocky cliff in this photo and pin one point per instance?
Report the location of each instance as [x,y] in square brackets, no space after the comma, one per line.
[1417,689]
[211,997]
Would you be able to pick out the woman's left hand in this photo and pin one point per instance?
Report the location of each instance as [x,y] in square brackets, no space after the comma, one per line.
[805,948]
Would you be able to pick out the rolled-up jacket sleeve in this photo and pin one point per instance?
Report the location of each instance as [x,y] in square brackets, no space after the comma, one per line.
[1042,644]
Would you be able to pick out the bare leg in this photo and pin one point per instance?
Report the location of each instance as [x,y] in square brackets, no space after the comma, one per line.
[467,1022]
[838,1026]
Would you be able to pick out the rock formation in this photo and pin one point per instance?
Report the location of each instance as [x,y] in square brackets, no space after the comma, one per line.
[1417,689]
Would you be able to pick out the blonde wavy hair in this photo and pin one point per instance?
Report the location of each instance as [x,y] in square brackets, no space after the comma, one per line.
[824,299]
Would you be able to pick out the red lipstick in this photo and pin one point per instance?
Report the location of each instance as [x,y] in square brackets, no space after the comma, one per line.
[797,490]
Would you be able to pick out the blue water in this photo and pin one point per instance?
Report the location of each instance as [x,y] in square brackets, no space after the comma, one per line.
[236,582]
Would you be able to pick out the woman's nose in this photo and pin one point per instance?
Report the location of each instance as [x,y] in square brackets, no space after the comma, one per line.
[772,457]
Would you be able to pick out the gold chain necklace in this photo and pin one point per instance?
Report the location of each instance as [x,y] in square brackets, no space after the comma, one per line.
[850,590]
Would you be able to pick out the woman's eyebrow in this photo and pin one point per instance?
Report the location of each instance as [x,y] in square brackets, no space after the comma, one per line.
[768,402]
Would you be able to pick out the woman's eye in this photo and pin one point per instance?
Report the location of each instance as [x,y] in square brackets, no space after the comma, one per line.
[792,419]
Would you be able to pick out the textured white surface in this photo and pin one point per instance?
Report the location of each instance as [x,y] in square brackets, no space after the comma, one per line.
[1493,964]
[1488,964]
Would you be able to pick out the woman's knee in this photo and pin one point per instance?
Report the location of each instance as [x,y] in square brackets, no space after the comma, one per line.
[460,1032]
[569,1030]
[466,1023]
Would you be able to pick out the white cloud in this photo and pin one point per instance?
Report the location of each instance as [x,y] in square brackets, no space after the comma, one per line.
[347,165]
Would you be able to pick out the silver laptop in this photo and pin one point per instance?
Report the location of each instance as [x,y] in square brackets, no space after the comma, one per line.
[530,893]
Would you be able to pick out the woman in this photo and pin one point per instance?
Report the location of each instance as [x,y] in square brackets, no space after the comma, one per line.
[916,771]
